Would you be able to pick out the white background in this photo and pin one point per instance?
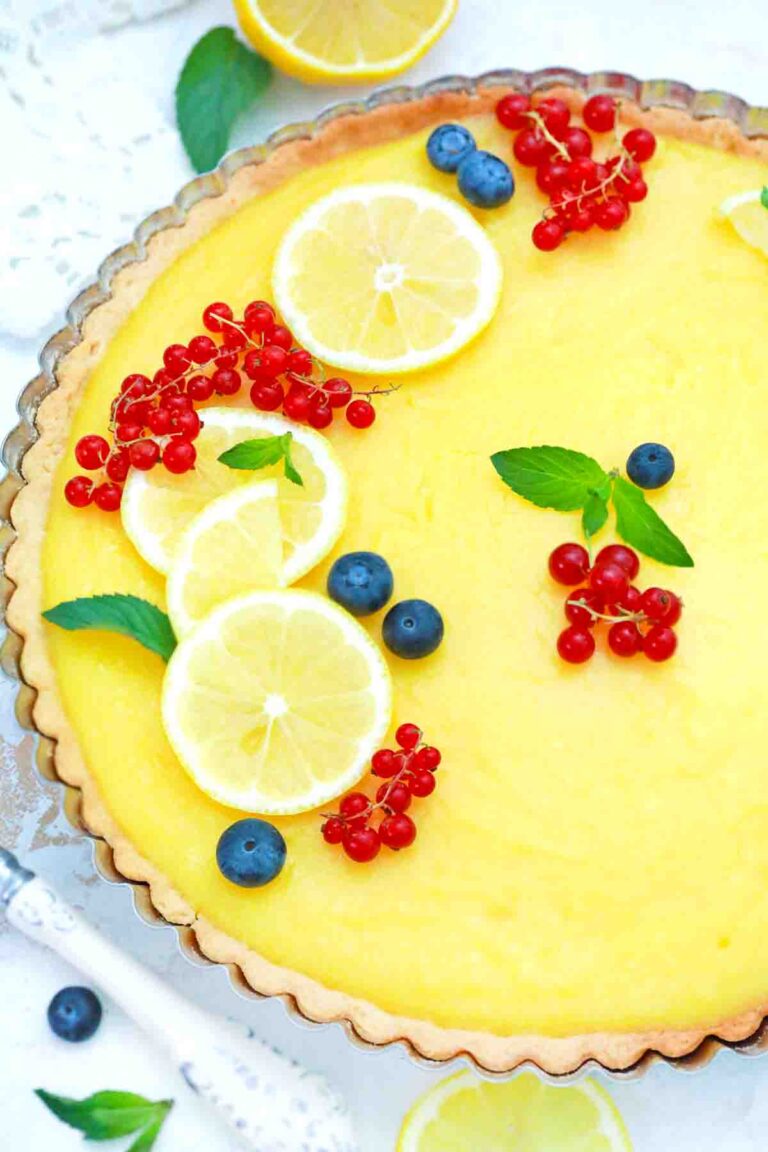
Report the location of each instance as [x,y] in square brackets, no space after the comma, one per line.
[708,44]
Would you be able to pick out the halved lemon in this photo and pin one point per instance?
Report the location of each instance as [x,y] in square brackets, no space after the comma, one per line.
[276,702]
[235,545]
[345,41]
[748,213]
[157,506]
[520,1115]
[386,278]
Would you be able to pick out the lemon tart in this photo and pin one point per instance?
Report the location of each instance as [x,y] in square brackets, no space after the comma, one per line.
[589,881]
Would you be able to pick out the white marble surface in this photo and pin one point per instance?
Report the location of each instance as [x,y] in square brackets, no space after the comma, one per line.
[725,1107]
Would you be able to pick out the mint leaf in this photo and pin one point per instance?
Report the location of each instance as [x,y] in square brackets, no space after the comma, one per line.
[764,197]
[641,527]
[550,477]
[219,80]
[594,515]
[147,1139]
[251,455]
[128,615]
[107,1115]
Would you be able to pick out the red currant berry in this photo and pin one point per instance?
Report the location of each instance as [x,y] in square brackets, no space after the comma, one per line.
[609,581]
[144,455]
[556,115]
[632,600]
[355,808]
[658,604]
[660,643]
[397,831]
[362,844]
[186,424]
[640,144]
[78,491]
[257,310]
[599,113]
[320,413]
[552,175]
[611,215]
[300,362]
[408,736]
[176,359]
[117,465]
[578,604]
[162,379]
[136,385]
[429,758]
[177,403]
[422,783]
[582,174]
[511,111]
[226,359]
[297,402]
[135,413]
[338,391]
[582,219]
[91,452]
[569,564]
[577,142]
[179,455]
[252,366]
[200,389]
[548,235]
[274,360]
[634,192]
[281,337]
[530,148]
[624,639]
[625,168]
[675,610]
[126,433]
[396,796]
[202,349]
[268,396]
[361,414]
[333,830]
[226,381]
[215,315]
[385,763]
[575,645]
[108,497]
[234,339]
[626,558]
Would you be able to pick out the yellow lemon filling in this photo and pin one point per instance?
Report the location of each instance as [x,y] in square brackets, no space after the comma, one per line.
[596,854]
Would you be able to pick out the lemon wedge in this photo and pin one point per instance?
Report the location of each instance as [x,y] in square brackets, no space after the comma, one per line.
[234,545]
[748,213]
[520,1115]
[276,702]
[381,278]
[321,40]
[157,506]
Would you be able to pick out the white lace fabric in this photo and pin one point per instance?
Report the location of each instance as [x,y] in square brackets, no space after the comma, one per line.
[89,148]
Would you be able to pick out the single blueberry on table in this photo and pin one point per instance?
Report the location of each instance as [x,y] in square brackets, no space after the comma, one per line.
[651,466]
[485,180]
[448,146]
[250,853]
[362,582]
[74,1014]
[412,629]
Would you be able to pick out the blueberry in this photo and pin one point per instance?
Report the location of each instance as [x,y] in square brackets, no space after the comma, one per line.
[74,1014]
[361,582]
[651,466]
[412,629]
[448,146]
[251,853]
[485,180]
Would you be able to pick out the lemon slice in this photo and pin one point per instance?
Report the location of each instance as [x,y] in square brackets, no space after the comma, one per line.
[386,278]
[520,1115]
[330,40]
[276,702]
[157,506]
[234,545]
[748,214]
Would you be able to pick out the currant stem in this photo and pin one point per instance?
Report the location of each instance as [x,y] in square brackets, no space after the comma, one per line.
[559,147]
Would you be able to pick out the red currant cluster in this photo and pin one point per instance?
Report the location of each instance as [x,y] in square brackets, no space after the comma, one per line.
[583,192]
[154,421]
[639,621]
[407,773]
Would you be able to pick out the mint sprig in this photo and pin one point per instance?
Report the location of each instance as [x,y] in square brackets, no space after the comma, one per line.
[221,77]
[251,455]
[764,197]
[568,481]
[109,1115]
[117,612]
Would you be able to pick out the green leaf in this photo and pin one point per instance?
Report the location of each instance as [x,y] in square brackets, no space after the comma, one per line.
[219,80]
[128,615]
[594,515]
[550,477]
[251,455]
[147,1139]
[764,197]
[641,527]
[107,1115]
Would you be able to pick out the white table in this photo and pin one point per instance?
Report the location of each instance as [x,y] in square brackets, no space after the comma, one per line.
[708,44]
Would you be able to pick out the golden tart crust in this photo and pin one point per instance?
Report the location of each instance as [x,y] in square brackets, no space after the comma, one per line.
[29,514]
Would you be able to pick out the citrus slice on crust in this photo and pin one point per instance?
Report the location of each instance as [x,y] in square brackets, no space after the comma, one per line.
[747,212]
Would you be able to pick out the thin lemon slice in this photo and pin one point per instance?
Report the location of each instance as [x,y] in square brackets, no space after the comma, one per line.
[276,702]
[341,41]
[234,545]
[386,278]
[748,214]
[157,506]
[520,1115]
